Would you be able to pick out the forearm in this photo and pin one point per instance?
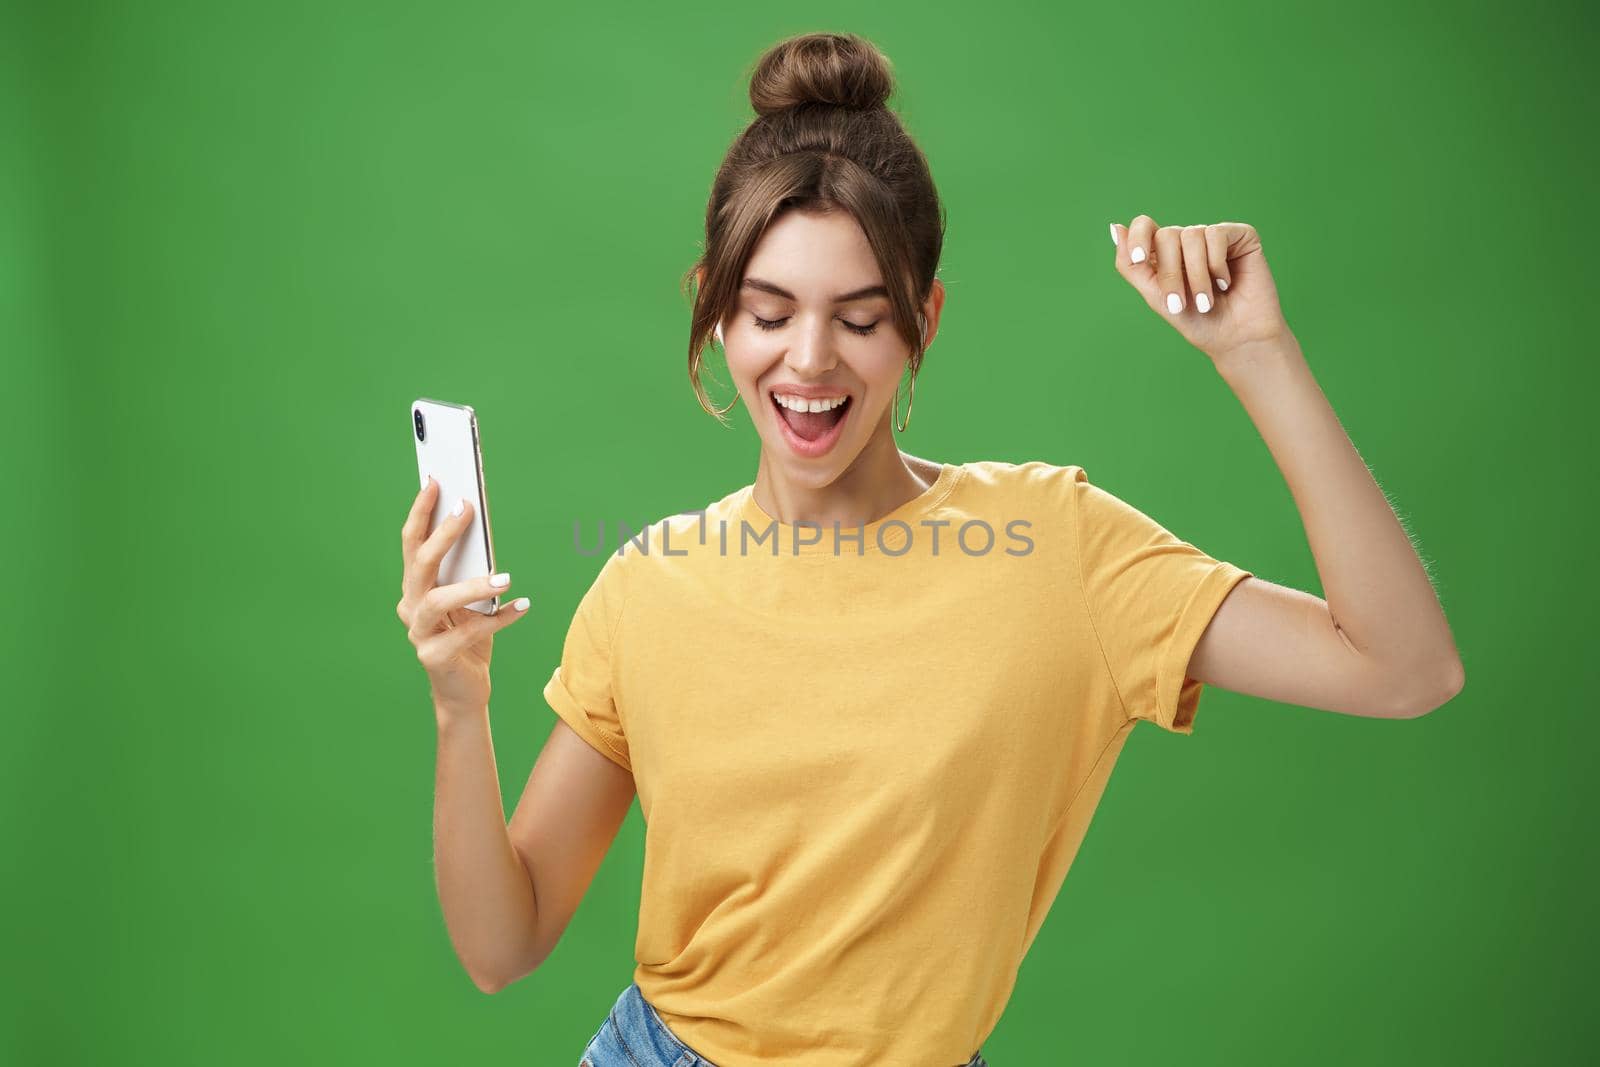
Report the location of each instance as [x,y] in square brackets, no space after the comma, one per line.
[484,889]
[1376,587]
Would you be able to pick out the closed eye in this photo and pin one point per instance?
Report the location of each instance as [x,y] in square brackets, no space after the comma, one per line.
[773,324]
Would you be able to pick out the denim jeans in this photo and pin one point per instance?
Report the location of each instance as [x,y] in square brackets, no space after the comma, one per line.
[633,1035]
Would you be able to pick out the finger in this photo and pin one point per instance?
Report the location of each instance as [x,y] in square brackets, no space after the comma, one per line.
[437,603]
[1197,266]
[423,573]
[442,648]
[1169,269]
[416,524]
[1141,275]
[1141,231]
[1217,256]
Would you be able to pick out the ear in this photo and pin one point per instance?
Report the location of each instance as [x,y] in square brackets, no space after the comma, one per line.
[932,308]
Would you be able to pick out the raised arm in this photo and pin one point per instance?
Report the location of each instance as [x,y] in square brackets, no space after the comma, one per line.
[1379,644]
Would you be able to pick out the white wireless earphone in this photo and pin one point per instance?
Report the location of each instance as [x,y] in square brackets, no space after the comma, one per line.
[922,321]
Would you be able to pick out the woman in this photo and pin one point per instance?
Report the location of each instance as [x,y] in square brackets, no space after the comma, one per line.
[869,702]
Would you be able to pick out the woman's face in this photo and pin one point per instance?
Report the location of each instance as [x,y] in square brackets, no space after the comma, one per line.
[814,323]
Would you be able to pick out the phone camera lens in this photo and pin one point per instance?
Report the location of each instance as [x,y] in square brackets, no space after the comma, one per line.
[421,433]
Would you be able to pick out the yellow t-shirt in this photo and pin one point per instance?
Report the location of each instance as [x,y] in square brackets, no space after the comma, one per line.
[865,763]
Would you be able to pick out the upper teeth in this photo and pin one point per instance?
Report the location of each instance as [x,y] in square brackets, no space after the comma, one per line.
[800,403]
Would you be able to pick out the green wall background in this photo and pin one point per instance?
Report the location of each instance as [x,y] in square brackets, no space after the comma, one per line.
[239,239]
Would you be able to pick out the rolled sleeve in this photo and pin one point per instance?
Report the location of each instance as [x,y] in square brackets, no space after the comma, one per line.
[581,689]
[1150,596]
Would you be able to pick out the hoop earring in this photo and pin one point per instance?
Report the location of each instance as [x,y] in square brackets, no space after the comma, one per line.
[912,399]
[911,393]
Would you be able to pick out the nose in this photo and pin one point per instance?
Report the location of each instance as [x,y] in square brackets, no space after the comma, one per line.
[813,352]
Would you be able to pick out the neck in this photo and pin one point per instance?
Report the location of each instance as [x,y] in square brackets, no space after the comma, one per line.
[879,480]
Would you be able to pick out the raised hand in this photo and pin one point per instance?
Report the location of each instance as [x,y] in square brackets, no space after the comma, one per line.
[454,643]
[1210,282]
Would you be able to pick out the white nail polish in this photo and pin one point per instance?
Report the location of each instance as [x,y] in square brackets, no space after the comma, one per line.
[500,581]
[1174,303]
[1222,285]
[1114,239]
[1137,255]
[521,603]
[460,505]
[1203,302]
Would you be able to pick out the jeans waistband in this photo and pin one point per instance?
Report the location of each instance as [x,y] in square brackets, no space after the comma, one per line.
[637,1021]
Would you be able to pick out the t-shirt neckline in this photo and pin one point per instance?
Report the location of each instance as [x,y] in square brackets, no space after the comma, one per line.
[909,512]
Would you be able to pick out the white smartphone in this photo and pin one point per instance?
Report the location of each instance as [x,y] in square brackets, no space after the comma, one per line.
[448,449]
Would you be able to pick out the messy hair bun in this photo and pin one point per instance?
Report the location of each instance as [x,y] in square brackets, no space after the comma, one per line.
[840,69]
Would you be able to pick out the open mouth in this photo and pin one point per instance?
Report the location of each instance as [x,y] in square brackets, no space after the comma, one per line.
[811,432]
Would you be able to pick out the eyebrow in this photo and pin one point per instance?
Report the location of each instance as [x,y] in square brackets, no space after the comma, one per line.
[842,298]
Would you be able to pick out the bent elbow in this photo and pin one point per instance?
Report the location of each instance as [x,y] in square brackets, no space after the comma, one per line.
[491,974]
[488,985]
[1454,679]
[492,984]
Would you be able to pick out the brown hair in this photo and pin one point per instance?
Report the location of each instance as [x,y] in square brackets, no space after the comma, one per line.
[822,140]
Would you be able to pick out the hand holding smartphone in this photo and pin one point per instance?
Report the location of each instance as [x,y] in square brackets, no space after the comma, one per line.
[448,555]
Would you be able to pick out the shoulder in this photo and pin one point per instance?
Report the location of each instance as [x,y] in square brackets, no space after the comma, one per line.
[1031,481]
[1034,496]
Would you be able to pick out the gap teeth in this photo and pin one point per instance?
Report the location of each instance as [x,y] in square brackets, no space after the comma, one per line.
[800,403]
